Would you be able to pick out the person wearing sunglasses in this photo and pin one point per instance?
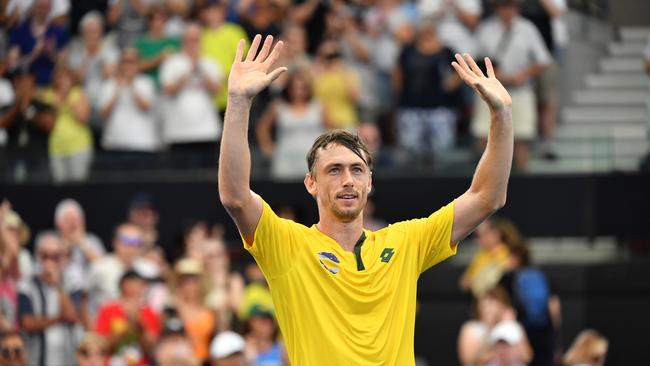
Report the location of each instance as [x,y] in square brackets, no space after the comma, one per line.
[12,349]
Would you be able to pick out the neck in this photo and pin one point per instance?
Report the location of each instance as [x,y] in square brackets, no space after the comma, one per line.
[345,233]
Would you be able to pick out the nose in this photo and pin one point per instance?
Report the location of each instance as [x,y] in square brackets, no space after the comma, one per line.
[348,179]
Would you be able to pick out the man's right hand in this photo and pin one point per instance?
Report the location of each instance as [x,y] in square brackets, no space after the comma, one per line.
[250,76]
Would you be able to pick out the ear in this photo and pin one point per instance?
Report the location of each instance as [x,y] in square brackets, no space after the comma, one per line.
[370,183]
[310,184]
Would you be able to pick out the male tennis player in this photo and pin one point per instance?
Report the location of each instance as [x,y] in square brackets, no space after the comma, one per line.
[343,295]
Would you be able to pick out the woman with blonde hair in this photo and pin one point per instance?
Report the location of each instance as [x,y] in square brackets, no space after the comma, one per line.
[588,349]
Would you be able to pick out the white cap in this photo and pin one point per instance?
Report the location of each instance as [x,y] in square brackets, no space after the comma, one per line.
[225,344]
[506,331]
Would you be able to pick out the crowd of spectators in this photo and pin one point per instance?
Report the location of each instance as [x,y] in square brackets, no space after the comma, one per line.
[142,84]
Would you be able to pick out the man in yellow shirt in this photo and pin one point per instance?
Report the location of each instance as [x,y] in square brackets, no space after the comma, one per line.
[343,295]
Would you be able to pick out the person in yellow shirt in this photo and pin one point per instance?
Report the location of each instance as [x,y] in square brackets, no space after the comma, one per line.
[219,41]
[344,295]
[70,143]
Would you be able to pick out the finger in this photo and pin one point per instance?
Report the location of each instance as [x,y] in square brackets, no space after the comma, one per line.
[477,70]
[270,77]
[463,65]
[253,50]
[240,50]
[265,49]
[461,72]
[275,54]
[490,68]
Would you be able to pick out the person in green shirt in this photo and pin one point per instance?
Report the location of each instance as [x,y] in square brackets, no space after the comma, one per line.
[154,47]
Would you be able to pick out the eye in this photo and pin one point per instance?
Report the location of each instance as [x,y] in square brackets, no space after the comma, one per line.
[357,169]
[334,170]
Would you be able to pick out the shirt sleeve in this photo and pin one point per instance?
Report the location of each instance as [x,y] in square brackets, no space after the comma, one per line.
[145,88]
[539,52]
[274,243]
[102,324]
[25,306]
[106,92]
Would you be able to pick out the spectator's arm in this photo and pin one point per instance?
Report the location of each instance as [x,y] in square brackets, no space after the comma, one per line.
[28,321]
[551,8]
[68,311]
[487,192]
[354,90]
[81,108]
[264,128]
[210,84]
[397,79]
[172,88]
[9,116]
[361,52]
[114,12]
[555,310]
[302,12]
[45,120]
[141,98]
[107,107]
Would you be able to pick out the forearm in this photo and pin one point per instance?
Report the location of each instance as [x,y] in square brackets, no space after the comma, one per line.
[552,10]
[647,65]
[141,102]
[33,324]
[81,111]
[8,118]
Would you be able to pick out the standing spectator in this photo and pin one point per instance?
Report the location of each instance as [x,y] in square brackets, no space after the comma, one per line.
[28,122]
[155,47]
[219,41]
[294,55]
[126,102]
[128,20]
[37,42]
[423,79]
[456,21]
[12,349]
[130,327]
[71,142]
[178,12]
[93,58]
[298,119]
[45,311]
[227,349]
[520,55]
[190,123]
[588,349]
[18,10]
[198,320]
[336,86]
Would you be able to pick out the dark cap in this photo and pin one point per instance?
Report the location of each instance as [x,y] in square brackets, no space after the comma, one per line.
[141,200]
[130,275]
[259,310]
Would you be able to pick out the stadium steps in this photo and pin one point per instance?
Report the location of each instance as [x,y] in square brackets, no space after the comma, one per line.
[617,97]
[620,49]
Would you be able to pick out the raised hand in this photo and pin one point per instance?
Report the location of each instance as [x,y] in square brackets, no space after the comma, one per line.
[489,88]
[250,76]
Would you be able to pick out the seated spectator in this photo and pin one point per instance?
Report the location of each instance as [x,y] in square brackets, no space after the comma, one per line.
[71,141]
[508,345]
[189,239]
[143,213]
[298,120]
[219,40]
[227,349]
[261,334]
[190,123]
[12,349]
[336,86]
[130,327]
[126,102]
[199,321]
[154,47]
[520,54]
[91,350]
[37,42]
[46,313]
[175,349]
[93,58]
[588,349]
[28,123]
[127,18]
[494,237]
[256,292]
[423,79]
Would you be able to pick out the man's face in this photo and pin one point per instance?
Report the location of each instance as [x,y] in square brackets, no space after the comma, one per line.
[50,255]
[507,11]
[234,360]
[70,222]
[340,182]
[12,352]
[128,243]
[133,289]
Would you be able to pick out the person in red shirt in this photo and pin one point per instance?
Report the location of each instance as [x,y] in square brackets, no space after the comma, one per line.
[129,325]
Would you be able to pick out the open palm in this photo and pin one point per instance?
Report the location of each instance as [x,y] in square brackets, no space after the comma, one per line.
[489,88]
[249,76]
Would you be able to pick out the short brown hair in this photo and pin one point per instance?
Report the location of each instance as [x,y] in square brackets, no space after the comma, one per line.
[343,138]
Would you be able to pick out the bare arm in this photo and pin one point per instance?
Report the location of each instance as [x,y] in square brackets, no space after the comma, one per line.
[247,78]
[142,102]
[301,13]
[81,109]
[263,130]
[487,192]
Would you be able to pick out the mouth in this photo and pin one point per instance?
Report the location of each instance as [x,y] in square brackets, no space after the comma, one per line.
[347,196]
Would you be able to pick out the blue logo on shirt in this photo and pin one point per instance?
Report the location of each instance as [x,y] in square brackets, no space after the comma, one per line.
[329,261]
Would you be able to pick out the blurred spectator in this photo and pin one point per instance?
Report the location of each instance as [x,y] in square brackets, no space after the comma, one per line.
[190,124]
[15,259]
[130,327]
[37,42]
[143,213]
[370,222]
[261,334]
[336,86]
[226,288]
[423,80]
[219,41]
[371,136]
[92,59]
[298,120]
[491,309]
[79,8]
[70,142]
[154,47]
[199,321]
[190,237]
[27,122]
[515,45]
[127,18]
[538,309]
[126,101]
[508,345]
[294,55]
[588,349]
[45,311]
[455,20]
[175,350]
[91,350]
[12,349]
[256,292]
[494,237]
[18,10]
[105,273]
[178,12]
[227,349]
[261,16]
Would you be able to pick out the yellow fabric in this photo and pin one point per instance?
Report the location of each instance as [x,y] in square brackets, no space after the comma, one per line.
[69,136]
[486,268]
[331,89]
[352,317]
[220,46]
[255,294]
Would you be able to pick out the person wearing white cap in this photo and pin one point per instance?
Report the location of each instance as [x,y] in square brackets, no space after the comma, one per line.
[227,349]
[509,344]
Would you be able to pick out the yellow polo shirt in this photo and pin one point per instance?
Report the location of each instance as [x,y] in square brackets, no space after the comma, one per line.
[349,308]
